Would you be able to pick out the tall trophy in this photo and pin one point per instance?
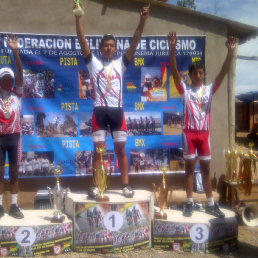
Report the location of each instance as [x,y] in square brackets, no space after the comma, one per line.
[57,197]
[101,176]
[161,196]
[234,164]
[228,165]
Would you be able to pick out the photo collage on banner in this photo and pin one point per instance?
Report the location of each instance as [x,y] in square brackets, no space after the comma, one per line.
[57,104]
[115,227]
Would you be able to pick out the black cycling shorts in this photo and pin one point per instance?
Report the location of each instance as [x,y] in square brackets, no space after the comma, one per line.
[10,144]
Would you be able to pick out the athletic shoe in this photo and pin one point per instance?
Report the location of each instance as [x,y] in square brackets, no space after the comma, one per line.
[214,210]
[15,212]
[93,193]
[197,206]
[1,211]
[188,209]
[128,192]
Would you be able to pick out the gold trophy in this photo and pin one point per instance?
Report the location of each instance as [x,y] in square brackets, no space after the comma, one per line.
[247,168]
[228,165]
[101,176]
[234,163]
[161,196]
[57,197]
[240,172]
[78,11]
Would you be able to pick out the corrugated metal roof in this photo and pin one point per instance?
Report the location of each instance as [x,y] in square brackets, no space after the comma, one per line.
[243,32]
[248,97]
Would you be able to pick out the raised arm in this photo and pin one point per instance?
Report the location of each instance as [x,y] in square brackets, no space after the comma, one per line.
[144,13]
[231,45]
[12,43]
[172,40]
[80,31]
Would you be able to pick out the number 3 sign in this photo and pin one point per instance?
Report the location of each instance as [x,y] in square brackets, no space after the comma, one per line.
[199,233]
[25,236]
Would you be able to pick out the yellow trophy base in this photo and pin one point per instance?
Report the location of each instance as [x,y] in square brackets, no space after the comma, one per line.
[102,199]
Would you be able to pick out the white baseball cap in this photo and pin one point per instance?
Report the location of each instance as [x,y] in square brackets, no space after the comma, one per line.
[6,71]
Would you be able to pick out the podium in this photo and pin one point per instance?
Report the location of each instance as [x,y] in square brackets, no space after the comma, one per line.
[34,235]
[120,225]
[200,233]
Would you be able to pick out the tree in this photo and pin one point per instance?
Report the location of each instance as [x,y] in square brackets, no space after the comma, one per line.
[187,3]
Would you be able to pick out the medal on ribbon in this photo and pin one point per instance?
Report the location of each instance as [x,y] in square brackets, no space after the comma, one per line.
[108,76]
[6,106]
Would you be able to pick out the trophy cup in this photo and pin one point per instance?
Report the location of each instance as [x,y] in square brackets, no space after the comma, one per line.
[101,176]
[78,11]
[249,167]
[234,163]
[57,197]
[161,196]
[240,173]
[228,165]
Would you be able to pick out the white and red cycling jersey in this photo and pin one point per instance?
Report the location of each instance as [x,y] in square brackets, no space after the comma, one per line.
[197,105]
[105,96]
[10,112]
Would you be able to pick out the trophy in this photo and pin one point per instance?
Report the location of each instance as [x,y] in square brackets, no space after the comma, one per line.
[234,164]
[161,196]
[249,167]
[101,176]
[228,165]
[240,173]
[78,11]
[57,197]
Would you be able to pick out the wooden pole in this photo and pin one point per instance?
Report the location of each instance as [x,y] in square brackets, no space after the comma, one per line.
[231,100]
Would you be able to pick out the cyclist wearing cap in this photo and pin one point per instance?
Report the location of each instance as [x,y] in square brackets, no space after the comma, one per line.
[10,141]
[107,74]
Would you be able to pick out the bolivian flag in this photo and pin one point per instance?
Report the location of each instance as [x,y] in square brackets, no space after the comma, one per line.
[164,77]
[130,87]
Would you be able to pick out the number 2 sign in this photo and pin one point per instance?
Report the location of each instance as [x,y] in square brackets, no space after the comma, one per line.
[25,236]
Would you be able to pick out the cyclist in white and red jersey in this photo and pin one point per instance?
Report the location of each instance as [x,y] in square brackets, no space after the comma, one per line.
[196,129]
[107,76]
[10,112]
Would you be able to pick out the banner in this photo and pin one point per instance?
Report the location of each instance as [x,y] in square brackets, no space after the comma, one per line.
[111,228]
[57,104]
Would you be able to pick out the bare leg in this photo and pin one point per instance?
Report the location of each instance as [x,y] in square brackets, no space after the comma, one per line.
[189,170]
[122,161]
[14,184]
[1,179]
[205,170]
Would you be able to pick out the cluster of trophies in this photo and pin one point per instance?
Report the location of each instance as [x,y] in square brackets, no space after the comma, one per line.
[240,168]
[162,192]
[57,195]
